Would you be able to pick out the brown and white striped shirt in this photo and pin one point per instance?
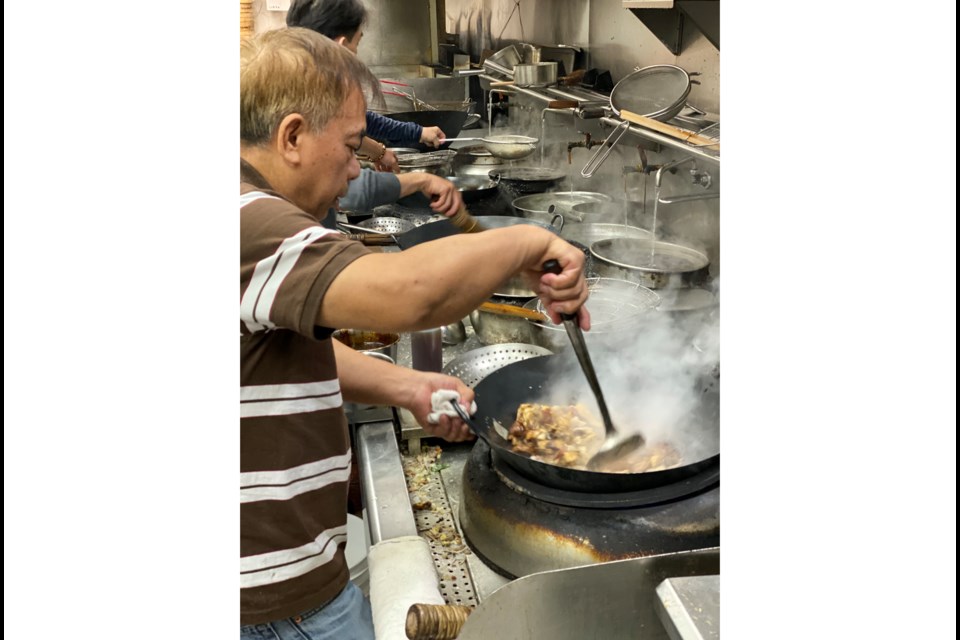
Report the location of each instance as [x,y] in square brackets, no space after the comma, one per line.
[294,447]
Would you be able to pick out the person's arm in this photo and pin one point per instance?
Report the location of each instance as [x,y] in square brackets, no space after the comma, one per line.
[379,155]
[373,189]
[369,380]
[444,196]
[436,283]
[392,132]
[433,136]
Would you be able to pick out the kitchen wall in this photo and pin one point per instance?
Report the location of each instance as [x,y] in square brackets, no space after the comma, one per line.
[396,38]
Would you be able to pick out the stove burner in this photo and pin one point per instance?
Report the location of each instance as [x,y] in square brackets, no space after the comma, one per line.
[518,534]
[704,480]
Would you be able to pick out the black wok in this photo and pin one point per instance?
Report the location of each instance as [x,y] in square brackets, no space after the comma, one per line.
[407,239]
[500,394]
[450,122]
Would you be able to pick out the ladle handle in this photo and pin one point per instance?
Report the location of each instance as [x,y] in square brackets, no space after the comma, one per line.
[572,324]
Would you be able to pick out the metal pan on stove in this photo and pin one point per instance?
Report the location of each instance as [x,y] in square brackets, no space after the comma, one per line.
[499,395]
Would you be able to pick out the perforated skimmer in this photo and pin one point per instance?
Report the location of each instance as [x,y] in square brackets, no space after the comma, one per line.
[474,366]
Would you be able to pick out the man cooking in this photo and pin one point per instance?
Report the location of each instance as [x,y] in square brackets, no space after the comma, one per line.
[301,122]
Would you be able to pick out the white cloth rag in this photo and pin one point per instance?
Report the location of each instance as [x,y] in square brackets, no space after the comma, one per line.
[440,405]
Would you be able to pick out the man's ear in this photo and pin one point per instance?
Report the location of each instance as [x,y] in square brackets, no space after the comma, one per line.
[290,137]
[341,40]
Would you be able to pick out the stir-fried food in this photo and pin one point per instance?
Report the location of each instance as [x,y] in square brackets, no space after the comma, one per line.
[555,434]
[569,435]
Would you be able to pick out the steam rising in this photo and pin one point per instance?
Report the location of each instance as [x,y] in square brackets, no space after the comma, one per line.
[660,378]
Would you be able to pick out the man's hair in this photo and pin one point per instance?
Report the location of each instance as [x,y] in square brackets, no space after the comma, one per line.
[295,70]
[332,18]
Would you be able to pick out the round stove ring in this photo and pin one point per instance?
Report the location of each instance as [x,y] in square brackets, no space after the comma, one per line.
[706,479]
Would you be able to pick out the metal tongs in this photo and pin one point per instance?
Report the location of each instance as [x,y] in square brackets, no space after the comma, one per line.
[615,445]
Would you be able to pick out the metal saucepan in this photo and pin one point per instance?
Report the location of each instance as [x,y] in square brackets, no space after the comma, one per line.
[474,188]
[508,147]
[536,74]
[500,394]
[656,265]
[503,61]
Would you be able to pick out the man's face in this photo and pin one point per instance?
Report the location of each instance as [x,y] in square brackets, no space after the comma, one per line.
[329,160]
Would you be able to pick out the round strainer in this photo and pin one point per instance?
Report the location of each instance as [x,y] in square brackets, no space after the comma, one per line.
[657,92]
[387,224]
[474,366]
[611,301]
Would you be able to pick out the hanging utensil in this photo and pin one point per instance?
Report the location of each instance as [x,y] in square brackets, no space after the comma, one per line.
[657,92]
[616,444]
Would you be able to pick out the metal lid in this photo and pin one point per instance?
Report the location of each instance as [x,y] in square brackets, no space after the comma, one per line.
[540,202]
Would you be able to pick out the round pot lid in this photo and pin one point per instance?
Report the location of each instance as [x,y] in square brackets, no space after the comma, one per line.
[540,202]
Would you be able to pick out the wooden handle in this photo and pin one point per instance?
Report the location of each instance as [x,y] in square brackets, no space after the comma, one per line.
[466,222]
[656,125]
[573,78]
[372,239]
[511,310]
[563,104]
[502,83]
[435,621]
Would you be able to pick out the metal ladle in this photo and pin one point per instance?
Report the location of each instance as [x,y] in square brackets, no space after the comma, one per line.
[615,445]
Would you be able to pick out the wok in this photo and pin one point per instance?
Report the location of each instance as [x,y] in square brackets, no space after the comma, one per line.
[434,231]
[407,239]
[500,394]
[474,188]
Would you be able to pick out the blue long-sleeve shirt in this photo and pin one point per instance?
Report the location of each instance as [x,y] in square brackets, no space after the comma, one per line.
[392,132]
[369,190]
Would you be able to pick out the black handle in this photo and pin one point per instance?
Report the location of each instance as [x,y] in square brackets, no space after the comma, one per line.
[553,266]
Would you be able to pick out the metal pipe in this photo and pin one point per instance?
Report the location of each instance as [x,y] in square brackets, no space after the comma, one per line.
[543,128]
[670,165]
[706,195]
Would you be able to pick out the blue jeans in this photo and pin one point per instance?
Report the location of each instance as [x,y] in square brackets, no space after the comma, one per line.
[346,617]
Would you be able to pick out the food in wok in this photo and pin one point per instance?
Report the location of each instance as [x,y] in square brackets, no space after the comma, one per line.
[569,435]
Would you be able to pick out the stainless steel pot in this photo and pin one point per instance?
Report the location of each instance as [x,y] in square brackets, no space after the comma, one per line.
[537,206]
[369,342]
[673,266]
[495,328]
[536,74]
